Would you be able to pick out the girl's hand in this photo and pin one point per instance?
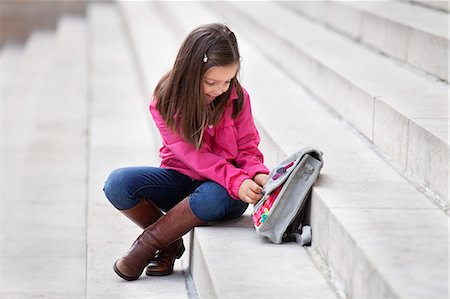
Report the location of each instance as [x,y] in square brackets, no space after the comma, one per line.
[250,191]
[261,179]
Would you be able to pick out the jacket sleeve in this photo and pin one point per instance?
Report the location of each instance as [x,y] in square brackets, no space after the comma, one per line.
[201,161]
[249,156]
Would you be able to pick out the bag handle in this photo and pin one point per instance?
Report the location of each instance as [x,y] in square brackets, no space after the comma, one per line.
[303,236]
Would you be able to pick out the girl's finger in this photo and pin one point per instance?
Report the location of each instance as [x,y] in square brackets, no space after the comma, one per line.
[256,188]
[251,200]
[254,196]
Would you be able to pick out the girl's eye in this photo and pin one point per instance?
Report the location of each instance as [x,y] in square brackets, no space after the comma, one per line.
[213,83]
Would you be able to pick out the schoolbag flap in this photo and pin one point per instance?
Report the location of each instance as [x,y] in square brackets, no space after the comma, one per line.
[286,193]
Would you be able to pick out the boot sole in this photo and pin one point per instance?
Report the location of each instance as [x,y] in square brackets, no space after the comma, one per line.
[151,273]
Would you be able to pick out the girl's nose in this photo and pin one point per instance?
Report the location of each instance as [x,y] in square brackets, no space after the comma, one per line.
[218,92]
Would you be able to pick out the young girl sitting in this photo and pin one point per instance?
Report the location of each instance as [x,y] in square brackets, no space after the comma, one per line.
[211,167]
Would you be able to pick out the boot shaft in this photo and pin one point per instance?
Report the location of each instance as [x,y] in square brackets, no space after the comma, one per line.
[167,229]
[175,224]
[144,213]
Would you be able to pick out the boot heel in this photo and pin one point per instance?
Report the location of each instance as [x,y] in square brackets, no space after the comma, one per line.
[180,251]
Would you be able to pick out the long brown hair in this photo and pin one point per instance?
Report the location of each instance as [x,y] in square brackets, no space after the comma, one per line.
[181,101]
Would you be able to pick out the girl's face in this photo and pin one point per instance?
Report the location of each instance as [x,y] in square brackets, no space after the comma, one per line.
[217,80]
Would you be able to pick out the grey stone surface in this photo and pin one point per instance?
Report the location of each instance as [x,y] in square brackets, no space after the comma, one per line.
[19,19]
[43,220]
[439,4]
[43,277]
[365,217]
[119,136]
[82,114]
[351,80]
[394,144]
[398,232]
[214,263]
[10,57]
[15,98]
[410,33]
[380,236]
[242,265]
[428,157]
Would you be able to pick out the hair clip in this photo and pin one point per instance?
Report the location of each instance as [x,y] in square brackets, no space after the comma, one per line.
[205,58]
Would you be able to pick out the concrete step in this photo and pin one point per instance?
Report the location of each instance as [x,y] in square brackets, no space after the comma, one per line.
[402,114]
[19,19]
[378,234]
[17,113]
[437,5]
[221,250]
[119,135]
[410,33]
[135,16]
[10,56]
[17,100]
[43,208]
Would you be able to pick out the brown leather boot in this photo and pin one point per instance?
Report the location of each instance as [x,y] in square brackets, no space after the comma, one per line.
[177,222]
[163,262]
[144,214]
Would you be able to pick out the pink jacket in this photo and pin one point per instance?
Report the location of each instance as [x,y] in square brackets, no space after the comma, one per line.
[229,153]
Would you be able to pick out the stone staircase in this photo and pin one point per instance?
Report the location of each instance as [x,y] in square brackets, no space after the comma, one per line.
[370,92]
[72,111]
[44,163]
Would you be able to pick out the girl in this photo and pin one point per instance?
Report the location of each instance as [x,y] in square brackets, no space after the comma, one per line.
[211,167]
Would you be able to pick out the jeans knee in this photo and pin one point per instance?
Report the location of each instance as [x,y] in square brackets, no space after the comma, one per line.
[116,188]
[237,209]
[212,202]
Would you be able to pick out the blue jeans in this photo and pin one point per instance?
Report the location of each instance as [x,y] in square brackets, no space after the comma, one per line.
[208,200]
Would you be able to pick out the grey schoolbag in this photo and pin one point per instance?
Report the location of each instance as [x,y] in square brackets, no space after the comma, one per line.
[279,215]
